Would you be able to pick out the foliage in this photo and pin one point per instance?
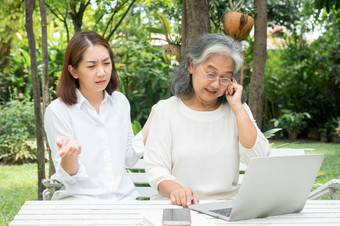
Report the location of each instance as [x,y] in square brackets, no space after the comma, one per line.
[56,47]
[305,77]
[166,31]
[284,13]
[17,131]
[338,129]
[219,7]
[136,127]
[332,124]
[327,4]
[299,76]
[235,5]
[144,75]
[12,20]
[279,12]
[291,121]
[271,133]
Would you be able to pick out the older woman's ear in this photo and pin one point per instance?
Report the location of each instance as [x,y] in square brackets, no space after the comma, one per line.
[191,66]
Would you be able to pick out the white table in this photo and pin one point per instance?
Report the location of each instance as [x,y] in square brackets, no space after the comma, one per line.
[316,212]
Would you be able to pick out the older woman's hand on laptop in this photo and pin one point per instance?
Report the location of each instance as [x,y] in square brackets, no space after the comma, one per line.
[183,197]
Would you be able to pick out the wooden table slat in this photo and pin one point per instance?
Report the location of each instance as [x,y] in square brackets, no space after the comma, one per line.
[76,222]
[315,212]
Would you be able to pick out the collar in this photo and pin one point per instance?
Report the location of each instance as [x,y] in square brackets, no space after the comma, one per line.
[82,100]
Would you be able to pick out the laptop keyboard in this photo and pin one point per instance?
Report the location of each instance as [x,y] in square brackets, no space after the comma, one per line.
[225,212]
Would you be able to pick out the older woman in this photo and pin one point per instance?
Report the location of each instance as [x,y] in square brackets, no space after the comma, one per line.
[198,137]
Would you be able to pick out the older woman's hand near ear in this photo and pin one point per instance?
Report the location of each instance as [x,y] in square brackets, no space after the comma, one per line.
[246,128]
[233,94]
[69,151]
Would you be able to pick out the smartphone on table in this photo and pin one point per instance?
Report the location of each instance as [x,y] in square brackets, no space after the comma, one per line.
[176,217]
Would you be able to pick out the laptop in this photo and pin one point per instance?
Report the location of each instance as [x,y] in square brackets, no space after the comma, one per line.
[271,186]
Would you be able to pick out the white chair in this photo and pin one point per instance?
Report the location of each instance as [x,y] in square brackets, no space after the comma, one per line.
[139,178]
[328,189]
[136,173]
[52,185]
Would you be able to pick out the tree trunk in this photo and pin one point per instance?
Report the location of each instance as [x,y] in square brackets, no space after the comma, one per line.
[29,8]
[77,16]
[45,81]
[195,21]
[259,62]
[5,50]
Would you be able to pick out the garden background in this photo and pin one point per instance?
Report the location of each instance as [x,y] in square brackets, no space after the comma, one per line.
[301,87]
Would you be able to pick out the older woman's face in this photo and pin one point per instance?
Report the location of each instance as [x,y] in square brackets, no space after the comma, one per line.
[207,91]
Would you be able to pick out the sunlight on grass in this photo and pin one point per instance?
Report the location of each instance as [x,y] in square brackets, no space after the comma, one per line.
[330,168]
[18,183]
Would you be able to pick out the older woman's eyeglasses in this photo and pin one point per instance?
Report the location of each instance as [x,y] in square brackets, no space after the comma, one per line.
[212,76]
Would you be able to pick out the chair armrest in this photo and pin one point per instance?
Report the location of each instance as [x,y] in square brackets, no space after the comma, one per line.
[330,188]
[52,185]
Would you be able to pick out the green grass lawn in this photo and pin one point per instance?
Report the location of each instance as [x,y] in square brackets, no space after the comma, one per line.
[18,183]
[330,168]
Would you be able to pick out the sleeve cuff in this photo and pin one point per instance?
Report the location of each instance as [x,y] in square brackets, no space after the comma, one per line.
[138,144]
[62,176]
[260,148]
[155,183]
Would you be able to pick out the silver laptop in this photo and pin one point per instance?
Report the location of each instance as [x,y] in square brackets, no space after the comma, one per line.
[271,186]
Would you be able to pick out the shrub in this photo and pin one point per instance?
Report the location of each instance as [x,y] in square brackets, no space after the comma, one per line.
[332,125]
[143,73]
[292,122]
[17,131]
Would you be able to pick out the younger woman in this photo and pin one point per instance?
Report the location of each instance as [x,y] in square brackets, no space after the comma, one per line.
[89,128]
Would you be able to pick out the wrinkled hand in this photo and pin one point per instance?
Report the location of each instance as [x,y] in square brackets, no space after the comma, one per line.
[183,197]
[68,147]
[233,93]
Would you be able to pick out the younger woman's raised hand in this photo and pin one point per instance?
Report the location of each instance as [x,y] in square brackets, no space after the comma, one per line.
[68,147]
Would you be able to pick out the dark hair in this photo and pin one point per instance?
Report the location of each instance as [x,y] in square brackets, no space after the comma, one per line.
[199,51]
[80,42]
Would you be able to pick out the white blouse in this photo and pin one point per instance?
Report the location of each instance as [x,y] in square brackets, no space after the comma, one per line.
[107,146]
[198,149]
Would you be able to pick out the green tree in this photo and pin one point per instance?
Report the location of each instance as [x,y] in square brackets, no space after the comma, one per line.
[11,17]
[305,76]
[29,8]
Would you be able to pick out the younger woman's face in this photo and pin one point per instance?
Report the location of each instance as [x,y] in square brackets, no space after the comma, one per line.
[94,71]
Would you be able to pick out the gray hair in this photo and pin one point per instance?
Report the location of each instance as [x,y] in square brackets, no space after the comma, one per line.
[199,51]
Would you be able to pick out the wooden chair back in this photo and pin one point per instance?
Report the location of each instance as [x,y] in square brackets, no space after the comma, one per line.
[139,178]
